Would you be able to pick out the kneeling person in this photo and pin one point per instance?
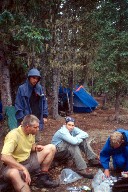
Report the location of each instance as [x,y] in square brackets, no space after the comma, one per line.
[116,147]
[21,156]
[72,140]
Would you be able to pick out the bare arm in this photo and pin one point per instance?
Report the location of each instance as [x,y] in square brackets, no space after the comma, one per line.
[107,172]
[36,147]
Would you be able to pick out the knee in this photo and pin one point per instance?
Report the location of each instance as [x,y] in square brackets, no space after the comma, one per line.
[51,147]
[13,173]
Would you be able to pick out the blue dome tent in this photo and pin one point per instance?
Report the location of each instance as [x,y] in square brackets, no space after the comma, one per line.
[83,102]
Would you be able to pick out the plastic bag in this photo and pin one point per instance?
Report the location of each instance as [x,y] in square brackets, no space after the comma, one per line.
[98,178]
[103,187]
[68,176]
[100,183]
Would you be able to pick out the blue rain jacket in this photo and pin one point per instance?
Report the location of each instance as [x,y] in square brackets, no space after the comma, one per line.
[22,104]
[119,155]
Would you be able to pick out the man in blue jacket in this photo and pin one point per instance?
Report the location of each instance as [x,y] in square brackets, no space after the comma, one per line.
[71,140]
[30,99]
[116,147]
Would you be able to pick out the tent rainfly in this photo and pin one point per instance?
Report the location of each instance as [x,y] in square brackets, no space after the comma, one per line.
[83,101]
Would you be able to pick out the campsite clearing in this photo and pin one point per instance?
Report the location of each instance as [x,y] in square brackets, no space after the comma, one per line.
[99,124]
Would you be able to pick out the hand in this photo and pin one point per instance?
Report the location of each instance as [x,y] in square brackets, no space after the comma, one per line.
[107,173]
[45,120]
[39,148]
[27,176]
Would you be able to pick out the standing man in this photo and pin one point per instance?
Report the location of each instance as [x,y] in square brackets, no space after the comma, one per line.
[21,156]
[30,99]
[71,140]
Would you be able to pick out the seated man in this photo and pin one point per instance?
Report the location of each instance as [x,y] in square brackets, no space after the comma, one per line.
[116,147]
[21,156]
[71,139]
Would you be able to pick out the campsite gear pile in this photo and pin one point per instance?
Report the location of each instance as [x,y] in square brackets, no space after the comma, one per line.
[112,184]
[102,184]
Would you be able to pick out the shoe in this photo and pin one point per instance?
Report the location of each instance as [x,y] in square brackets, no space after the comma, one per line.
[94,163]
[45,180]
[85,173]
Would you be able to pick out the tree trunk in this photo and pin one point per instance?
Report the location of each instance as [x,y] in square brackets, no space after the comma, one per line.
[5,80]
[117,106]
[56,82]
[104,101]
[71,96]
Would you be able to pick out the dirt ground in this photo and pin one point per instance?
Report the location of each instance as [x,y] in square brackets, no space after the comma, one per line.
[99,124]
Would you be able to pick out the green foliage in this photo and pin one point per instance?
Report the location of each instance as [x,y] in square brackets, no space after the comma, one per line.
[23,31]
[32,37]
[111,64]
[6,18]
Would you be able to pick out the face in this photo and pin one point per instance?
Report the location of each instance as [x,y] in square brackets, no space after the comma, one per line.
[70,126]
[33,128]
[34,80]
[116,145]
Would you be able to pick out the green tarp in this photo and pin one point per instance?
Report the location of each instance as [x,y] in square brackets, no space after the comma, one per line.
[11,119]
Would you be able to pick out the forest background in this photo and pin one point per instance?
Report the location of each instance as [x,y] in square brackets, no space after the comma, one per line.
[72,42]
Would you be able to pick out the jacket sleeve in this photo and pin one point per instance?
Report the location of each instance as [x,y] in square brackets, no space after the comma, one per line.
[19,105]
[45,107]
[105,154]
[67,137]
[80,134]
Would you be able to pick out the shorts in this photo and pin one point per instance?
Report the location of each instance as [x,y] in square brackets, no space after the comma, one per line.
[31,165]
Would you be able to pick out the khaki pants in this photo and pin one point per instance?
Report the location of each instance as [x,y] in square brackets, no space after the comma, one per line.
[75,152]
[31,164]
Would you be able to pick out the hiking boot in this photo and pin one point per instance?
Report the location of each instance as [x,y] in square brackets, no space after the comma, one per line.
[85,173]
[45,180]
[94,163]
